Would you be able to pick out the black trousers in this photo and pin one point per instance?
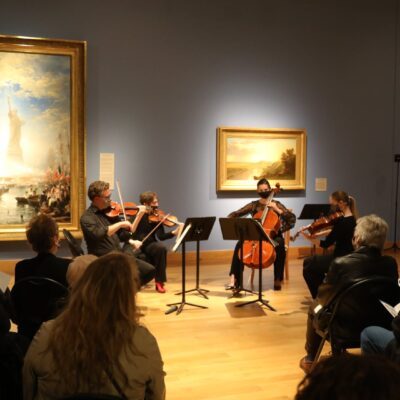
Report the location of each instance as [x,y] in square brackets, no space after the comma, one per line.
[314,271]
[313,340]
[279,263]
[145,269]
[156,252]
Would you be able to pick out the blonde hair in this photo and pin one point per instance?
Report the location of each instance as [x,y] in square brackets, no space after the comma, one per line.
[78,267]
[97,325]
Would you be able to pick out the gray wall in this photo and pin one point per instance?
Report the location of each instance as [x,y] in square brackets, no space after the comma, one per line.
[163,74]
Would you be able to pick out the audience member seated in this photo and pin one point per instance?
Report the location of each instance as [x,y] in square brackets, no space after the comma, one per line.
[77,267]
[42,234]
[378,340]
[351,377]
[96,345]
[12,350]
[365,261]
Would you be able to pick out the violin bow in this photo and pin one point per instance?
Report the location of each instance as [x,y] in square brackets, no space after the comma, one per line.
[120,199]
[155,228]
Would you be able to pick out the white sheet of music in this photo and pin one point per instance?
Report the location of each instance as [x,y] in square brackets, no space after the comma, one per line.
[181,237]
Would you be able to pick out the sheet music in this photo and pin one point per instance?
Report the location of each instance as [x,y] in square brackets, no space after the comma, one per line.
[181,237]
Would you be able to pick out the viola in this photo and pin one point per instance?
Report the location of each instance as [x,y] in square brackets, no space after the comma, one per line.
[319,224]
[156,215]
[270,222]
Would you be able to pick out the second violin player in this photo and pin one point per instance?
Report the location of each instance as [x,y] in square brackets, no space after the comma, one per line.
[155,251]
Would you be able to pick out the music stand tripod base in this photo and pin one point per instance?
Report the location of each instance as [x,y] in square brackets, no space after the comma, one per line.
[195,230]
[247,229]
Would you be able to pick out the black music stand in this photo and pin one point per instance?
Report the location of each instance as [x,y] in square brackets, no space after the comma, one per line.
[183,239]
[247,229]
[314,211]
[200,231]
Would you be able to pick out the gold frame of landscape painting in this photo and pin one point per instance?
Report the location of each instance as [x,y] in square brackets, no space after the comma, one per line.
[245,155]
[42,132]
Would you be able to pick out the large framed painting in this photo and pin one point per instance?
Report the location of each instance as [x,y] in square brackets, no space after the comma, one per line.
[42,132]
[245,155]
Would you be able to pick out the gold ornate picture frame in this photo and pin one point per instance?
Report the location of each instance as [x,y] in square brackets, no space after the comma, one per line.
[42,132]
[245,155]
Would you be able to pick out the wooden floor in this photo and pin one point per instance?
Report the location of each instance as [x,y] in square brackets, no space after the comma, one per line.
[225,352]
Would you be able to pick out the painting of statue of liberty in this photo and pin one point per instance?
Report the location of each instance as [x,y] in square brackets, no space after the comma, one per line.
[34,136]
[38,124]
[246,155]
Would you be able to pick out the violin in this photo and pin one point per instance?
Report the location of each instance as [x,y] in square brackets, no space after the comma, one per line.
[116,210]
[319,224]
[270,222]
[156,215]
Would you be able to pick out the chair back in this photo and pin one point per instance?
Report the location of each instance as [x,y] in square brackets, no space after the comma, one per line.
[358,307]
[36,300]
[73,244]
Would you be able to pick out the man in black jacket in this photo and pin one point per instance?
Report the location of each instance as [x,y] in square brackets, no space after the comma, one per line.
[365,261]
[103,235]
[42,235]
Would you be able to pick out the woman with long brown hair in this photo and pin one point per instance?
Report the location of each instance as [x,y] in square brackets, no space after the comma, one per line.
[96,345]
[340,235]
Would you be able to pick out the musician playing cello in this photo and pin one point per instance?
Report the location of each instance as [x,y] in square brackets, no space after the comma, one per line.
[287,220]
[155,251]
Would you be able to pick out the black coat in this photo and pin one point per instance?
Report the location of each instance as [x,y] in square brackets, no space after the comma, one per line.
[344,271]
[361,307]
[44,265]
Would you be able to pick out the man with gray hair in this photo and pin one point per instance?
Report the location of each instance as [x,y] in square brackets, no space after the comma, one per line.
[103,236]
[366,260]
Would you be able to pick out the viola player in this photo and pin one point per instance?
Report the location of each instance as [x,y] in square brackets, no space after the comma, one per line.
[287,220]
[340,235]
[151,236]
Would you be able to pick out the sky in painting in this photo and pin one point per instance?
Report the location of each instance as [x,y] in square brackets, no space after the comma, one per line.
[38,88]
[254,150]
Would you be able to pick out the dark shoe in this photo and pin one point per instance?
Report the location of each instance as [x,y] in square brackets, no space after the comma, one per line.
[277,284]
[160,287]
[229,287]
[305,364]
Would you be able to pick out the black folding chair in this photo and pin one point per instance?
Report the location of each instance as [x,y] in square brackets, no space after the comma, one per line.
[73,244]
[36,300]
[356,308]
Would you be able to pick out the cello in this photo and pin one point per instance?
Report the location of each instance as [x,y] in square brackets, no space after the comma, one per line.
[270,223]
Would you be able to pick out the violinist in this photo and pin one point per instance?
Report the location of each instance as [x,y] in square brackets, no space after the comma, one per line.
[340,235]
[287,220]
[103,235]
[155,251]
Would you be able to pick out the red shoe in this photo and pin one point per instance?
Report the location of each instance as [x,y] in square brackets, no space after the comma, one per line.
[160,287]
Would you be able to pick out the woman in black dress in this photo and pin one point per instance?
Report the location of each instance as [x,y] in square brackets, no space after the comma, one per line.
[341,235]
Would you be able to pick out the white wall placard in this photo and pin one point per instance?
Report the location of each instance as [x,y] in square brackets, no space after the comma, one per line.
[107,167]
[321,184]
